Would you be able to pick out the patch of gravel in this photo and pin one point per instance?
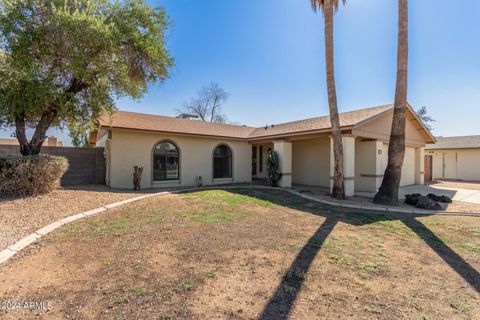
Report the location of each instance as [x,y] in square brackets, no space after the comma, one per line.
[20,217]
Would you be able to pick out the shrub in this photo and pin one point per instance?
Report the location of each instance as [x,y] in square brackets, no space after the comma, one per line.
[31,175]
[273,168]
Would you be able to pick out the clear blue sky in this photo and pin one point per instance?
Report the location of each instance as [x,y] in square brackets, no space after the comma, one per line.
[269,55]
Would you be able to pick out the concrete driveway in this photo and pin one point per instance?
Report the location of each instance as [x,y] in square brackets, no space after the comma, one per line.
[468,192]
[455,193]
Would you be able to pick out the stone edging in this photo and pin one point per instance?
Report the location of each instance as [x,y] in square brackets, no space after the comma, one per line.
[12,250]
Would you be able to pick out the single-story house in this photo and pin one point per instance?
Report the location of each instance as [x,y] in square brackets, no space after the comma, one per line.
[176,152]
[453,158]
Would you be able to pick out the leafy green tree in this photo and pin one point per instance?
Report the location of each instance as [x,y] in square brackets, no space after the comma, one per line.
[63,62]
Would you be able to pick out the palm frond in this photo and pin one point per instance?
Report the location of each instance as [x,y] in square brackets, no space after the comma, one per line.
[320,4]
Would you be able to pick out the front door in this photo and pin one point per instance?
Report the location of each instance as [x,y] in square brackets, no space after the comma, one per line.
[254,161]
[428,168]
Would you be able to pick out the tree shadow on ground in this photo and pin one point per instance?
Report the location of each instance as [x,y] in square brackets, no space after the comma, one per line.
[282,301]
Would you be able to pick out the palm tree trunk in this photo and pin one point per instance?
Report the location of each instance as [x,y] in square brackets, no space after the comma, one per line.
[388,192]
[338,191]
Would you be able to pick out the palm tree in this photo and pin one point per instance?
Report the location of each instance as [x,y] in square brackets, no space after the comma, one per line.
[388,192]
[328,7]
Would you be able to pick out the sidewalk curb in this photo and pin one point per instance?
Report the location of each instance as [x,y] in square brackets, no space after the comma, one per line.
[13,249]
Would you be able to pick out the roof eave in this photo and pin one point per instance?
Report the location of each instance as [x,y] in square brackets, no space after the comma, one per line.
[409,107]
[297,133]
[173,132]
[451,148]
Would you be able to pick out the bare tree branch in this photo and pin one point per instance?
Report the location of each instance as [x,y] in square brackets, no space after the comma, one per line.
[207,106]
[425,117]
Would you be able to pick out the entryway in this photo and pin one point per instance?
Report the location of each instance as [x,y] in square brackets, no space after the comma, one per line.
[428,168]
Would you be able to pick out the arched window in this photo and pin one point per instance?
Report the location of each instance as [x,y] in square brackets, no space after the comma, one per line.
[222,162]
[166,164]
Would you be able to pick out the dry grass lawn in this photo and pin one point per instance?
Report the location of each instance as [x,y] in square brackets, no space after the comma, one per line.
[248,254]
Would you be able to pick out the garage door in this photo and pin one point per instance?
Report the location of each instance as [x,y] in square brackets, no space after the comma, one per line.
[408,170]
[450,165]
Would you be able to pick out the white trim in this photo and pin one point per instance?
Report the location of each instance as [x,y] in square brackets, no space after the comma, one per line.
[166,183]
[223,180]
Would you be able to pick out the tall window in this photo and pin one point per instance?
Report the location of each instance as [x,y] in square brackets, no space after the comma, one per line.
[260,159]
[166,162]
[222,162]
[254,161]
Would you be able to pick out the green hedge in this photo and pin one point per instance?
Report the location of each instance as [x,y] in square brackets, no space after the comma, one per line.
[26,176]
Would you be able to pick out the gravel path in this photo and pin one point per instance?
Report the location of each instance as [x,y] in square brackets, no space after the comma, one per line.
[19,217]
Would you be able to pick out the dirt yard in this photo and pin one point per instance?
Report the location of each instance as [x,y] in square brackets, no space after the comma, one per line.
[19,217]
[248,254]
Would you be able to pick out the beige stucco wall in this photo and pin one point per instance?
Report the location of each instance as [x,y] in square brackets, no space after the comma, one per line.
[102,141]
[130,148]
[468,166]
[368,165]
[284,151]
[460,164]
[365,162]
[408,169]
[380,129]
[311,162]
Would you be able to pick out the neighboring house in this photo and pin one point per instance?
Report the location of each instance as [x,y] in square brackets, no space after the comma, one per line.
[8,141]
[453,158]
[175,152]
[49,142]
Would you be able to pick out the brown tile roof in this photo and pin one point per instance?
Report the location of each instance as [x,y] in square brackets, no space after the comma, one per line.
[347,119]
[463,142]
[148,122]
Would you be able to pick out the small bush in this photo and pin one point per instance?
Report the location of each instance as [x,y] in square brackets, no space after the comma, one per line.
[273,168]
[31,175]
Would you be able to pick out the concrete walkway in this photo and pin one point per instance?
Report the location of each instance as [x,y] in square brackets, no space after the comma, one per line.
[463,195]
[464,199]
